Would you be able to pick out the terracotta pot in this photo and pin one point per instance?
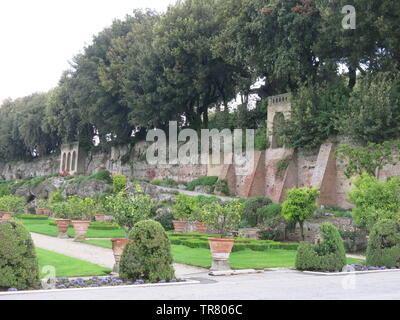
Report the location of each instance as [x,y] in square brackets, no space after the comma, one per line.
[47,212]
[179,226]
[200,227]
[220,250]
[80,227]
[118,246]
[2,213]
[6,216]
[39,211]
[100,217]
[62,225]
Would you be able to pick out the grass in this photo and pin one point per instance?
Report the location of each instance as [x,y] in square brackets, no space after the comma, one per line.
[43,227]
[67,266]
[99,243]
[245,259]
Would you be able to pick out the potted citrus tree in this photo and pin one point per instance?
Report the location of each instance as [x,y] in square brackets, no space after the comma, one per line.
[223,218]
[127,211]
[43,207]
[61,211]
[186,211]
[100,210]
[81,212]
[11,205]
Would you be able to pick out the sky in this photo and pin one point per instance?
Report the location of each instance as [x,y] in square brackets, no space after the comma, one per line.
[40,37]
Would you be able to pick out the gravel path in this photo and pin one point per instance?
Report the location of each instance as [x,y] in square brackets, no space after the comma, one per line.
[98,255]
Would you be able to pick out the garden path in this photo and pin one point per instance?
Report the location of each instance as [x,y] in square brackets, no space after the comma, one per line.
[98,255]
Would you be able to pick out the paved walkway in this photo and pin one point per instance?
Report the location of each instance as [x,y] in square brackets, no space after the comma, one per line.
[98,255]
[290,285]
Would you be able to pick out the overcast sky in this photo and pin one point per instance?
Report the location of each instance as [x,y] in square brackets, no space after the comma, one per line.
[39,37]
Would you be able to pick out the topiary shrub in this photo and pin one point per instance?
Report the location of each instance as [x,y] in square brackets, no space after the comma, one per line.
[148,255]
[384,244]
[251,214]
[328,255]
[18,263]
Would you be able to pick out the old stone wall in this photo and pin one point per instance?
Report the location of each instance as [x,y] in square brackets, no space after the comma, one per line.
[304,168]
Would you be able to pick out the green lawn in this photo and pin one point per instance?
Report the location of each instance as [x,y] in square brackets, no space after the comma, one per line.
[67,266]
[100,243]
[43,227]
[246,259]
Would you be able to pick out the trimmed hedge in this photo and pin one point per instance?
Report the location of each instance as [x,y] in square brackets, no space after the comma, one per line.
[33,217]
[329,255]
[384,244]
[148,255]
[100,225]
[18,262]
[95,225]
[239,245]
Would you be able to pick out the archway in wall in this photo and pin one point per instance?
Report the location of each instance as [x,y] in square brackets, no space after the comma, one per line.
[69,162]
[278,124]
[73,164]
[64,161]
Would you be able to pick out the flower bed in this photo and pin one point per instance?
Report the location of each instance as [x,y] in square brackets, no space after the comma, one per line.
[363,267]
[97,282]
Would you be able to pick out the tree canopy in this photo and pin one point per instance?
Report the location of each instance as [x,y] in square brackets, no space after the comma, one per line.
[188,63]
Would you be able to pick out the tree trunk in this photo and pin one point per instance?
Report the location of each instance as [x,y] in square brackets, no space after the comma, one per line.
[301,223]
[352,77]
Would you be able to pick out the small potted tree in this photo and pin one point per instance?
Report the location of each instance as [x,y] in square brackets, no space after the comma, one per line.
[100,210]
[186,211]
[223,218]
[61,210]
[127,211]
[81,213]
[43,207]
[11,205]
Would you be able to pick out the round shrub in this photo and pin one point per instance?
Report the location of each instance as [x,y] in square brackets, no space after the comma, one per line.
[384,244]
[18,263]
[328,255]
[148,255]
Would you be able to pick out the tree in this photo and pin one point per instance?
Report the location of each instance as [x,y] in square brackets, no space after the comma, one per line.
[374,200]
[300,205]
[196,79]
[373,112]
[129,210]
[367,159]
[315,109]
